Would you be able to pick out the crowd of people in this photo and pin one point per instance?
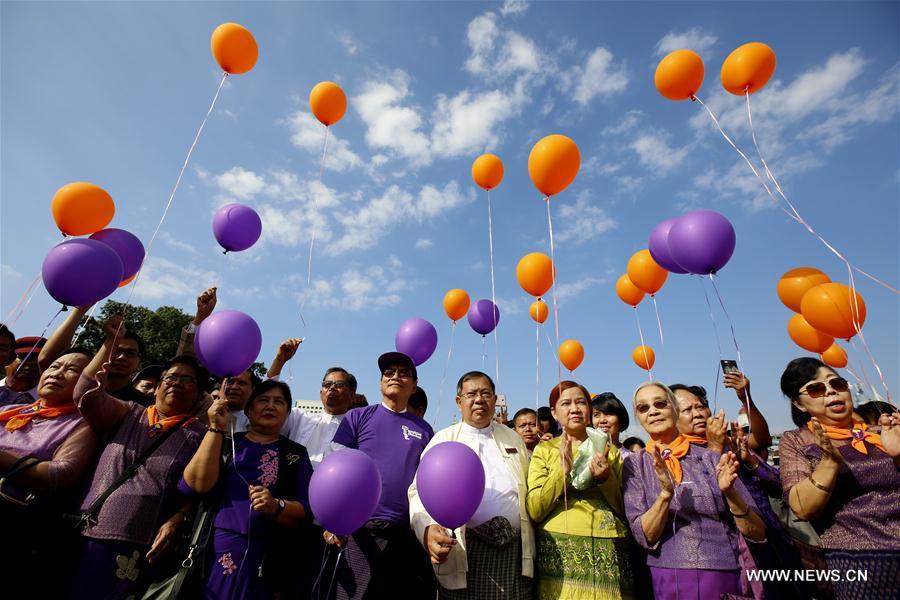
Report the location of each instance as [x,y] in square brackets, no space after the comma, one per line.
[122,482]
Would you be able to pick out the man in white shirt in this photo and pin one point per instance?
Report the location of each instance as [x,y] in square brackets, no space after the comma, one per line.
[493,554]
[315,431]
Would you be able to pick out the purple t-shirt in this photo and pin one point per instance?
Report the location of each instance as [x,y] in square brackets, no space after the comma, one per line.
[395,442]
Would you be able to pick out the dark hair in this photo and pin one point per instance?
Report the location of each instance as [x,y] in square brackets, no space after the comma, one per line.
[697,390]
[544,414]
[872,410]
[192,362]
[562,386]
[419,399]
[265,386]
[609,404]
[76,350]
[633,440]
[351,380]
[796,374]
[473,375]
[130,335]
[4,330]
[522,412]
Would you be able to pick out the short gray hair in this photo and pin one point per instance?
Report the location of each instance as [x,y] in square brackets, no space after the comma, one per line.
[670,395]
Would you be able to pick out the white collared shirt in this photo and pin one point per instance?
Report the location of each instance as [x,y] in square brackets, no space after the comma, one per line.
[501,494]
[313,431]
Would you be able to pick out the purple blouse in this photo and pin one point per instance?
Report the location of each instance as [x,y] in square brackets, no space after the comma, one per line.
[700,532]
[863,512]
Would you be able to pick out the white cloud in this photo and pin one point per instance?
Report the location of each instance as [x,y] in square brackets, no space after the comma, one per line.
[583,220]
[466,124]
[240,183]
[599,77]
[625,123]
[183,246]
[356,288]
[694,39]
[655,153]
[494,52]
[308,134]
[390,125]
[163,279]
[567,291]
[351,47]
[481,35]
[424,244]
[513,7]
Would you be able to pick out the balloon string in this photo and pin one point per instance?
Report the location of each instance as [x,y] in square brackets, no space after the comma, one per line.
[658,322]
[483,351]
[550,343]
[312,239]
[444,376]
[537,364]
[737,348]
[796,213]
[712,319]
[36,342]
[555,273]
[862,369]
[637,318]
[859,383]
[83,325]
[493,296]
[865,345]
[9,321]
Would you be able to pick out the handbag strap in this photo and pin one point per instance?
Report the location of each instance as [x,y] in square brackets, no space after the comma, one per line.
[130,471]
[22,463]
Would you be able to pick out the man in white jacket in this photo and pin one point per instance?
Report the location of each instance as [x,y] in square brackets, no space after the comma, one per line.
[493,554]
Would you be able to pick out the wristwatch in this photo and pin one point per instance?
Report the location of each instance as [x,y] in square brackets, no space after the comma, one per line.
[280,507]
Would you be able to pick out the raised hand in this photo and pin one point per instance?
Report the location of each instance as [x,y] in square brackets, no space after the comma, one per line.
[715,432]
[206,302]
[565,452]
[218,413]
[288,349]
[727,471]
[890,433]
[743,446]
[113,325]
[667,489]
[829,452]
[739,383]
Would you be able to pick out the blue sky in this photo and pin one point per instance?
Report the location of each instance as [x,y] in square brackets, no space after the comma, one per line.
[112,93]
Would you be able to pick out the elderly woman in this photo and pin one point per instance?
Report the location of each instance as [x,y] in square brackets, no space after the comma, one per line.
[843,476]
[582,546]
[131,522]
[686,506]
[261,490]
[608,414]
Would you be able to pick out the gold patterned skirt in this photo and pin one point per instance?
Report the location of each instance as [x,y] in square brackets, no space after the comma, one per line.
[575,567]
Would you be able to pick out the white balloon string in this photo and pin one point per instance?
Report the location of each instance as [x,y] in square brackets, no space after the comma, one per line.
[737,348]
[658,321]
[25,298]
[312,239]
[36,342]
[555,274]
[493,295]
[83,325]
[862,369]
[483,351]
[637,318]
[537,364]
[865,345]
[712,319]
[550,343]
[859,383]
[796,213]
[444,377]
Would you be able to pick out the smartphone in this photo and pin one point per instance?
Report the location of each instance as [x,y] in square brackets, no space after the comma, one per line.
[730,366]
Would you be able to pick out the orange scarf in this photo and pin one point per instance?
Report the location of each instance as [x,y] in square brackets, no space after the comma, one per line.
[16,418]
[694,439]
[671,453]
[859,433]
[157,425]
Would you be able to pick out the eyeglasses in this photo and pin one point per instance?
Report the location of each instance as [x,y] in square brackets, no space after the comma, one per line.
[338,385]
[818,388]
[126,352]
[401,373]
[657,404]
[184,380]
[485,395]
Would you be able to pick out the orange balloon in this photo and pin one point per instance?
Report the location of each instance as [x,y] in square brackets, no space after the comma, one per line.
[835,357]
[127,281]
[629,293]
[679,75]
[82,208]
[328,102]
[535,273]
[571,353]
[644,357]
[234,48]
[487,171]
[808,337]
[456,304]
[797,282]
[539,311]
[828,308]
[553,164]
[748,68]
[645,273]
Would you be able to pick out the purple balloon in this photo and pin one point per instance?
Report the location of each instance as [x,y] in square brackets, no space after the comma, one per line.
[702,241]
[483,316]
[450,481]
[344,491]
[228,343]
[659,247]
[81,271]
[126,245]
[236,227]
[416,338]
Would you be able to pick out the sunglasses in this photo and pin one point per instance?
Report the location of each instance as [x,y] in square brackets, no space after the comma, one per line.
[338,385]
[819,389]
[401,373]
[657,404]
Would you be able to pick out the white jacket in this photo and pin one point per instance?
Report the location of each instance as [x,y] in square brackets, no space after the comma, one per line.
[452,573]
